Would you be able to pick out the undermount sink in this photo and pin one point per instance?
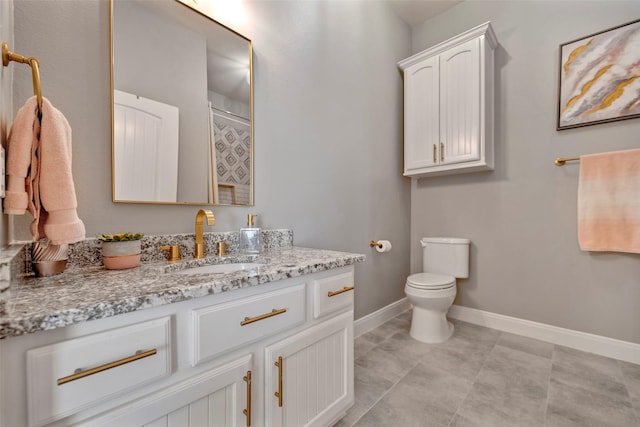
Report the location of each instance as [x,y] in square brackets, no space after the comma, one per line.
[221,268]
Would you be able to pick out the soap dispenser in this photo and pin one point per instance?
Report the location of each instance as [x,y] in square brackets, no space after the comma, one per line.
[250,241]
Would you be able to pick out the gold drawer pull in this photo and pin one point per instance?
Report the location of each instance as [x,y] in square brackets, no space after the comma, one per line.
[81,374]
[274,312]
[278,393]
[343,290]
[441,152]
[247,412]
[435,150]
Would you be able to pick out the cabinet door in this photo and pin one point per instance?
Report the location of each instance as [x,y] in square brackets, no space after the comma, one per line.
[309,376]
[460,103]
[422,128]
[219,397]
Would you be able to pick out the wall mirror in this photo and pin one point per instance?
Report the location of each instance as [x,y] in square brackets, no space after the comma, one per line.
[182,107]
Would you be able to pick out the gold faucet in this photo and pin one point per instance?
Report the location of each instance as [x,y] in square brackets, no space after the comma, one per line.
[211,220]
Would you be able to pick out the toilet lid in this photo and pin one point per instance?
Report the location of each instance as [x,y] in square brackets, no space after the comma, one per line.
[430,281]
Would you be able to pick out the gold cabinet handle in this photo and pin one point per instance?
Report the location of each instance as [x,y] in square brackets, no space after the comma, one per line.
[274,312]
[441,152]
[341,291]
[278,393]
[435,153]
[81,374]
[247,412]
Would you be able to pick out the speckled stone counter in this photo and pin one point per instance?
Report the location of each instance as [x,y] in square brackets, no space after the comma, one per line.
[91,292]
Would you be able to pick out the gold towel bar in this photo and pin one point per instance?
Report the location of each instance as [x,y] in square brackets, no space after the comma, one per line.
[560,161]
[8,56]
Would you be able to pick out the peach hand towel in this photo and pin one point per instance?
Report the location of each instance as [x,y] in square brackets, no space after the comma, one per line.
[39,174]
[22,163]
[609,202]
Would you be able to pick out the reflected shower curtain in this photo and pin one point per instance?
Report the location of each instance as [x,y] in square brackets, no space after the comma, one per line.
[232,157]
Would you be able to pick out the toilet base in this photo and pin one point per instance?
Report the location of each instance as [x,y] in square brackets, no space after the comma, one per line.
[430,327]
[429,320]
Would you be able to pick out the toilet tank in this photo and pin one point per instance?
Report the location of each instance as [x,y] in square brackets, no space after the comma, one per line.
[446,255]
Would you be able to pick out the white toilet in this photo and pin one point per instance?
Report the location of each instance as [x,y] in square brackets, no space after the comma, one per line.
[432,292]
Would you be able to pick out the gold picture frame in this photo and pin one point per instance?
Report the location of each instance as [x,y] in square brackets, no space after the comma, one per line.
[599,77]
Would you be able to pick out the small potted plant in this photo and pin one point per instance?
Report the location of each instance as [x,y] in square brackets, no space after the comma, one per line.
[120,251]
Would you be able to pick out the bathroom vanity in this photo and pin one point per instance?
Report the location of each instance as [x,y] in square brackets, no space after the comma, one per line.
[268,345]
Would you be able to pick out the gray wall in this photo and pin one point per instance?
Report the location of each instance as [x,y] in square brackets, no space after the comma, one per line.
[6,92]
[328,126]
[525,260]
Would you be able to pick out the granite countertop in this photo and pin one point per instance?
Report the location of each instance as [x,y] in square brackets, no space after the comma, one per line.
[90,293]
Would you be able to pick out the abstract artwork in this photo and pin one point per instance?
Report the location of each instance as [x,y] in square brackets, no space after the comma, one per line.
[600,77]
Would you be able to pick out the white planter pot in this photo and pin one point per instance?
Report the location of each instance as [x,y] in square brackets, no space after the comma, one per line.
[121,255]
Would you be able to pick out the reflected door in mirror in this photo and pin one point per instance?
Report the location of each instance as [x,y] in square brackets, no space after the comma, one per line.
[145,149]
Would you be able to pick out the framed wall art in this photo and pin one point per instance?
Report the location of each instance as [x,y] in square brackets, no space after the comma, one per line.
[600,77]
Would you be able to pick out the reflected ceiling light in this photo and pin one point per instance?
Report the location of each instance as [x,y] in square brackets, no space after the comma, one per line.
[227,12]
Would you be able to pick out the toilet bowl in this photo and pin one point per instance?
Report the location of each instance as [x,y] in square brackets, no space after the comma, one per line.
[431,296]
[432,292]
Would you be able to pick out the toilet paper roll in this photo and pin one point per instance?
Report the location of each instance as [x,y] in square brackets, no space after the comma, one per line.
[383,246]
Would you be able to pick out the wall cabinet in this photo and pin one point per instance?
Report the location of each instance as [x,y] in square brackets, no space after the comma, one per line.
[448,105]
[203,362]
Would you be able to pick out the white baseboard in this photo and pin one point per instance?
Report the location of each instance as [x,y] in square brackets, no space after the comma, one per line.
[609,347]
[377,318]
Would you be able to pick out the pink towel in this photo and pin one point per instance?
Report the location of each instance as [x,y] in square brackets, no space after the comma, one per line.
[39,174]
[609,202]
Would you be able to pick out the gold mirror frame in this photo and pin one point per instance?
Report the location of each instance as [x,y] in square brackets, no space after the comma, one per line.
[212,196]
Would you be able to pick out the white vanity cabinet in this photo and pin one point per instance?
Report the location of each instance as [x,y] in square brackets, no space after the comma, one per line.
[66,377]
[207,361]
[448,105]
[217,397]
[309,376]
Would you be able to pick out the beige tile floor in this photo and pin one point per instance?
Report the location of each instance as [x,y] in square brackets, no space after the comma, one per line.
[484,377]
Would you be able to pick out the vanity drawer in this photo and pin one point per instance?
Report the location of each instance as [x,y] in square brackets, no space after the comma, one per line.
[332,293]
[223,327]
[105,364]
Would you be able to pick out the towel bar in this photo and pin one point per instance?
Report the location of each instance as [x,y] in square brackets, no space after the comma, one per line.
[560,161]
[8,56]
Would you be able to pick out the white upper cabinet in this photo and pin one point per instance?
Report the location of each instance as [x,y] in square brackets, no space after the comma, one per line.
[448,105]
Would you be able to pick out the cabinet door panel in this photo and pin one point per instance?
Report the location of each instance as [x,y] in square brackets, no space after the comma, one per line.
[421,114]
[317,375]
[460,103]
[215,398]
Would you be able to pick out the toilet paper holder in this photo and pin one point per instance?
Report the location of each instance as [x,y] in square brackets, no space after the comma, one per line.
[373,243]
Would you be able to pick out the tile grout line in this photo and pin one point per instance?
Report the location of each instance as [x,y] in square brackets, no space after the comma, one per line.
[384,394]
[390,388]
[636,411]
[546,405]
[475,379]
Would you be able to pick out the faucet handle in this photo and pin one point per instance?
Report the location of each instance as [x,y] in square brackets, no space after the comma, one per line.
[221,248]
[174,252]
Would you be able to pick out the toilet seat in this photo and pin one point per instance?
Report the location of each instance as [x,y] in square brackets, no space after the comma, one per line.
[430,281]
